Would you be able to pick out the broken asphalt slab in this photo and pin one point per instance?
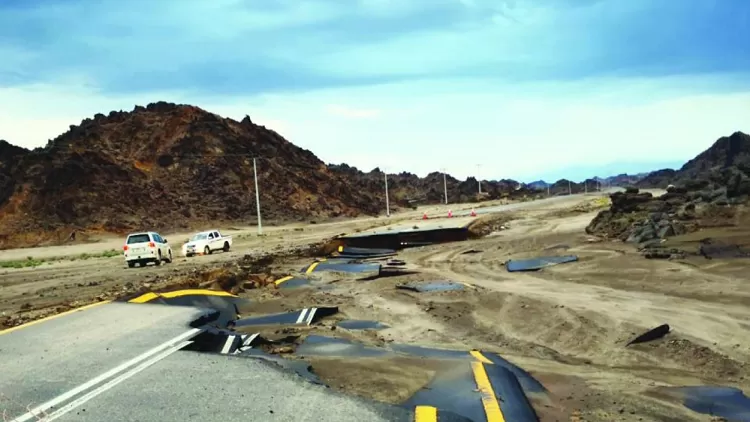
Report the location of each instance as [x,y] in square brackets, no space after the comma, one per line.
[535,264]
[432,286]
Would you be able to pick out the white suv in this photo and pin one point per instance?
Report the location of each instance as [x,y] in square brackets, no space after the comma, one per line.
[142,248]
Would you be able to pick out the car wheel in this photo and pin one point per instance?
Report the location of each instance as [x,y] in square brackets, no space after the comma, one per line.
[226,247]
[206,250]
[158,259]
[170,257]
[131,264]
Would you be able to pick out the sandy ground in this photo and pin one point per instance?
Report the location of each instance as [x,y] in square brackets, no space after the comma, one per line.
[567,324]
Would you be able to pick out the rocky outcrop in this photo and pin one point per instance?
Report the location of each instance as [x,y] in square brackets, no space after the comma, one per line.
[701,194]
[723,166]
[639,217]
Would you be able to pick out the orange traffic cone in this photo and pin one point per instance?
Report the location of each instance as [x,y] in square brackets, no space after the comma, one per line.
[473,213]
[424,216]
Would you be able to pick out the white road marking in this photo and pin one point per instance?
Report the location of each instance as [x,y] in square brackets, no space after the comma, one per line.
[311,315]
[228,344]
[39,410]
[302,315]
[249,341]
[113,382]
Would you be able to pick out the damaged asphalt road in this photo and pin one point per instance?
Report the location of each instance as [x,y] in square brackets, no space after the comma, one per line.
[566,325]
[79,368]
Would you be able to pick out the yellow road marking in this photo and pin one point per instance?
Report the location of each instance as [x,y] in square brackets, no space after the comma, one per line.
[37,321]
[189,292]
[489,400]
[147,297]
[425,414]
[480,357]
[283,279]
[312,267]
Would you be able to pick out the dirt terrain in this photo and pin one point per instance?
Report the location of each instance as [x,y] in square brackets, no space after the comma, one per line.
[566,324]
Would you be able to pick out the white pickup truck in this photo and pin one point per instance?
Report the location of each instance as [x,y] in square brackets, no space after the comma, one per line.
[207,242]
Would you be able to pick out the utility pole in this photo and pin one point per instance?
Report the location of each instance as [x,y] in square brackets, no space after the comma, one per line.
[387,204]
[479,180]
[257,197]
[570,190]
[445,187]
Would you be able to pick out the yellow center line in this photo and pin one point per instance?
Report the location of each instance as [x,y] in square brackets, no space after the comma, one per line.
[480,357]
[147,297]
[489,400]
[311,268]
[425,414]
[283,279]
[37,321]
[192,292]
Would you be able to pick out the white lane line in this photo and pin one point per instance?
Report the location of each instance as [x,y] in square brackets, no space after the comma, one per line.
[249,341]
[228,345]
[113,382]
[39,410]
[302,315]
[311,315]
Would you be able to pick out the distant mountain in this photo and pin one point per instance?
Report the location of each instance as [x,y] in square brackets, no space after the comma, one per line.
[407,189]
[592,183]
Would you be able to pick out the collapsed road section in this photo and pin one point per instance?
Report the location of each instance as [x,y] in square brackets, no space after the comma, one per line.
[410,234]
[472,385]
[140,361]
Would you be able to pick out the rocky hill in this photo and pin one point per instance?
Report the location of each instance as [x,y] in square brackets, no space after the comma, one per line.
[703,194]
[408,190]
[168,166]
[726,164]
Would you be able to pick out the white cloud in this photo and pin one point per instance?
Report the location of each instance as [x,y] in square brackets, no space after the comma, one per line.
[512,131]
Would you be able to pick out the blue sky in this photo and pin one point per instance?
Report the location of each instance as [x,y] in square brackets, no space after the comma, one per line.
[519,88]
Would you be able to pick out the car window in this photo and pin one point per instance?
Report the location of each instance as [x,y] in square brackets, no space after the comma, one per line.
[138,238]
[217,235]
[157,238]
[211,236]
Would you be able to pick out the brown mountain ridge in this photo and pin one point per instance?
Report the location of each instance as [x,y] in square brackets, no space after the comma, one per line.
[167,166]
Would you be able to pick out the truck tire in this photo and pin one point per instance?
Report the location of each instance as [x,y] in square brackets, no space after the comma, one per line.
[131,264]
[226,247]
[206,250]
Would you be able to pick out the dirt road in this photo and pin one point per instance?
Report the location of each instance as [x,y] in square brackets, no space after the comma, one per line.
[567,324]
[45,280]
